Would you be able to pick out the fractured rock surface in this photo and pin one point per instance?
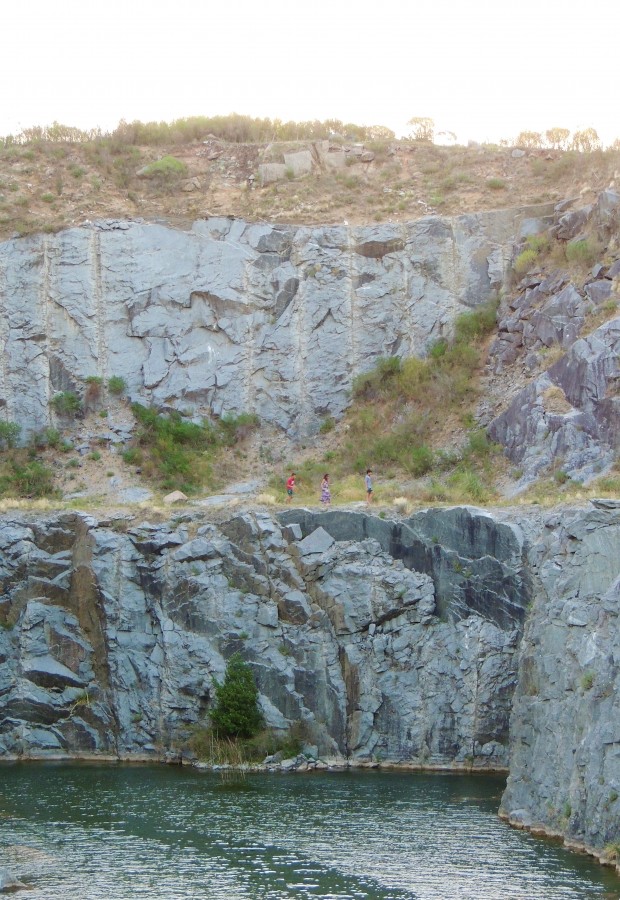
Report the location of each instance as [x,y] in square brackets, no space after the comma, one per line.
[231,316]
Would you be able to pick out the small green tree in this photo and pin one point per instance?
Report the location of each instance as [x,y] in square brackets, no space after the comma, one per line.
[236,712]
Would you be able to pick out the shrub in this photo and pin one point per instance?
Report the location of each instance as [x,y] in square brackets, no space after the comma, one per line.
[67,403]
[587,680]
[236,712]
[478,322]
[525,260]
[117,385]
[217,750]
[166,170]
[9,434]
[420,460]
[92,393]
[368,385]
[538,242]
[495,184]
[584,252]
[29,479]
[235,428]
[174,449]
[468,484]
[49,437]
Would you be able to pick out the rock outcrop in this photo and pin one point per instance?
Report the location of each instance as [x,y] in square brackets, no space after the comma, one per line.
[566,419]
[385,642]
[452,638]
[565,726]
[232,317]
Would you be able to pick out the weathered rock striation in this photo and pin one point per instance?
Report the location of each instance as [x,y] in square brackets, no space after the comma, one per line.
[451,638]
[231,316]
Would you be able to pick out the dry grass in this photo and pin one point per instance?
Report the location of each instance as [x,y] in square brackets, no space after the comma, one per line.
[45,186]
[554,401]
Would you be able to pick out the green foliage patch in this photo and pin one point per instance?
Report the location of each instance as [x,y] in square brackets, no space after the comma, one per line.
[23,476]
[400,404]
[67,404]
[9,434]
[166,170]
[178,453]
[236,712]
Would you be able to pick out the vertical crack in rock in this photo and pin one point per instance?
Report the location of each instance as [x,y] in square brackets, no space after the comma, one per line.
[44,307]
[5,393]
[99,306]
[301,325]
[352,356]
[85,601]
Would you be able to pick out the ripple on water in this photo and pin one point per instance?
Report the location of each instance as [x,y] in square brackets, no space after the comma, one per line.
[83,832]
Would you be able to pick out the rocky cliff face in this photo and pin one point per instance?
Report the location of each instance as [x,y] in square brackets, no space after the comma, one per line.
[385,643]
[567,417]
[450,638]
[232,317]
[565,725]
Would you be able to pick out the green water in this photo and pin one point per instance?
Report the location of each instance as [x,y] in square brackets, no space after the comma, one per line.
[80,831]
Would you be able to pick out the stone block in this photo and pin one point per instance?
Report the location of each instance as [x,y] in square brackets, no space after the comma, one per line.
[269,173]
[299,163]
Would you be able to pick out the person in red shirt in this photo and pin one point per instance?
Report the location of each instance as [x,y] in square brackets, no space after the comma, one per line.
[290,487]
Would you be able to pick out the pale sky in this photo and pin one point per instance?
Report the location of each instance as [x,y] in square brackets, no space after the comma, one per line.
[485,69]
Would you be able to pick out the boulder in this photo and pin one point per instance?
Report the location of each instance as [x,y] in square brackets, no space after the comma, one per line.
[175,497]
[9,884]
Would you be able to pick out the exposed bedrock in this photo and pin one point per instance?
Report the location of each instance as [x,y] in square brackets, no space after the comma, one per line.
[567,418]
[231,316]
[389,640]
[453,637]
[565,724]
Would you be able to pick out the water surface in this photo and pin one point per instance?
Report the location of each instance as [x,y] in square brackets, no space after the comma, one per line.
[87,832]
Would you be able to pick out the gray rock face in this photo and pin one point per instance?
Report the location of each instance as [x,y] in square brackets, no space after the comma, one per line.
[568,417]
[231,316]
[477,565]
[112,639]
[565,731]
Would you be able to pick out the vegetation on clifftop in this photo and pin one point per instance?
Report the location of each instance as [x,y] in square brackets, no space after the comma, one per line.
[56,176]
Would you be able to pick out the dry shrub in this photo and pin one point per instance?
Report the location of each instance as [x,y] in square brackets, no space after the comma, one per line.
[266,499]
[555,402]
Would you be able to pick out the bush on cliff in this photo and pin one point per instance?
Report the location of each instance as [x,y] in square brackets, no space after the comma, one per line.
[66,404]
[399,415]
[22,476]
[178,452]
[9,434]
[236,713]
